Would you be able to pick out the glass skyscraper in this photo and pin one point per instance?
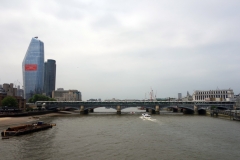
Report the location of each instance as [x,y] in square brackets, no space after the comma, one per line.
[49,77]
[33,68]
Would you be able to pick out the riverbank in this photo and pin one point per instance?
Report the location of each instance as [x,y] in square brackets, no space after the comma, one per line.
[12,121]
[21,114]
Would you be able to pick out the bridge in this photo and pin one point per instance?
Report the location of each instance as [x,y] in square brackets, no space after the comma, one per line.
[151,106]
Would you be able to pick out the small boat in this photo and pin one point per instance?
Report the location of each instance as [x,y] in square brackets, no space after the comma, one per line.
[25,129]
[146,116]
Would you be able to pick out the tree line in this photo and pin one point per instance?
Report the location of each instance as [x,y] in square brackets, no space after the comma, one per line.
[11,101]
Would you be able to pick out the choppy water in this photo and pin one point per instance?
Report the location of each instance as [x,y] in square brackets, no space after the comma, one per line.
[110,136]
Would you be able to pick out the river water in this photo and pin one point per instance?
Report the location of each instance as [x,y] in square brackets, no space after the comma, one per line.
[109,136]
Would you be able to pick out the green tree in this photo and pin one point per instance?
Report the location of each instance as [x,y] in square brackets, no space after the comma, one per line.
[9,101]
[39,97]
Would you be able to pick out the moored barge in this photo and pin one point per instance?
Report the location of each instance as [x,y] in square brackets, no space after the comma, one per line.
[25,129]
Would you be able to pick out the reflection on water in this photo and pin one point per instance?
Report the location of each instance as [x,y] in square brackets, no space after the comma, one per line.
[111,136]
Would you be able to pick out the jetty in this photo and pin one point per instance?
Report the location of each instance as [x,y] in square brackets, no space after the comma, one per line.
[234,114]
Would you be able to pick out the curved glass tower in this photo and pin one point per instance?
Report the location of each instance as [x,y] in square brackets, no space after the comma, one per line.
[33,68]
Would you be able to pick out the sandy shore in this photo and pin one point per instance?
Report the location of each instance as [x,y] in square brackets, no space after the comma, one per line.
[11,121]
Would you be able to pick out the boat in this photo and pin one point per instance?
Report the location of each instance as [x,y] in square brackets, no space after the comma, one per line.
[146,116]
[25,129]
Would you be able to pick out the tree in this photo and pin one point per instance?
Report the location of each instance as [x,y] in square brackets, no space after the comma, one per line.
[9,101]
[38,97]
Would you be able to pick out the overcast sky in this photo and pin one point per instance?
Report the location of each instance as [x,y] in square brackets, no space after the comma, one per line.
[121,49]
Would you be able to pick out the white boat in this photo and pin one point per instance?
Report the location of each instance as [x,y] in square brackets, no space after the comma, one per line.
[146,116]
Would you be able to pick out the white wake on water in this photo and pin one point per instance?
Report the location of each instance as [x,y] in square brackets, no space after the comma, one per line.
[148,119]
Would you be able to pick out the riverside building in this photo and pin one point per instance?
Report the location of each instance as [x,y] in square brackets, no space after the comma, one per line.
[49,77]
[179,96]
[67,95]
[10,90]
[33,68]
[213,95]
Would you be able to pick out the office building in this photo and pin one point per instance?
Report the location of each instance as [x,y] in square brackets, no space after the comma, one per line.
[20,92]
[67,95]
[49,77]
[9,89]
[33,68]
[179,96]
[213,95]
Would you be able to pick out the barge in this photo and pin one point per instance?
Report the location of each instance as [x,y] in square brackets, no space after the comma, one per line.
[25,129]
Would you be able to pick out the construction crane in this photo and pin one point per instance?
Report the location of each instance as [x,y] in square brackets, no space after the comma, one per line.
[152,96]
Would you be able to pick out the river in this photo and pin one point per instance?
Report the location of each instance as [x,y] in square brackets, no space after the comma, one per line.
[104,136]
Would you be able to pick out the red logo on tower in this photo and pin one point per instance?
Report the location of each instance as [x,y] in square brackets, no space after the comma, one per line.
[30,67]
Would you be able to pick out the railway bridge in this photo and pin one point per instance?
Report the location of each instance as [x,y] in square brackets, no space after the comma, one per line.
[153,107]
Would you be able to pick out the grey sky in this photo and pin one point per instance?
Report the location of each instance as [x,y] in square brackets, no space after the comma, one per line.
[120,49]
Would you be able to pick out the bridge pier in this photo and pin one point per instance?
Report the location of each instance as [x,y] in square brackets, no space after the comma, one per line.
[214,112]
[91,110]
[86,111]
[151,111]
[147,110]
[81,109]
[157,109]
[174,109]
[195,109]
[118,109]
